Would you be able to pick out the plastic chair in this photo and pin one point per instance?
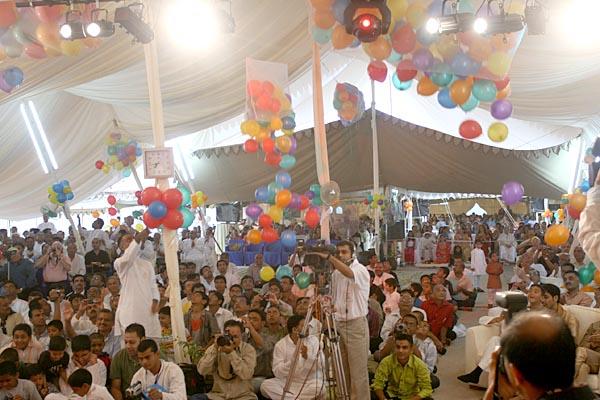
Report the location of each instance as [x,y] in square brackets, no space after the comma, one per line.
[272,253]
[251,251]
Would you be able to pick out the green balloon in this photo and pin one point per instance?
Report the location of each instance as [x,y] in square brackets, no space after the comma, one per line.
[303,280]
[586,274]
[186,195]
[188,217]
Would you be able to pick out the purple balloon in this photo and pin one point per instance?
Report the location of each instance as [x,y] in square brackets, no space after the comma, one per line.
[293,146]
[5,87]
[501,109]
[422,59]
[253,211]
[310,194]
[512,192]
[296,202]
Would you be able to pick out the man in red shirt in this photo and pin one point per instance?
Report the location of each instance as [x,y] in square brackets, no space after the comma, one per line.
[440,314]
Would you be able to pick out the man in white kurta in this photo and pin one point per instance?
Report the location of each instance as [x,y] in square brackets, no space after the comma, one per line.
[306,382]
[139,297]
[507,245]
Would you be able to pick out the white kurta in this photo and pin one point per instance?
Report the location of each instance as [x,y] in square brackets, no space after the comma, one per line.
[478,262]
[309,369]
[138,289]
[508,247]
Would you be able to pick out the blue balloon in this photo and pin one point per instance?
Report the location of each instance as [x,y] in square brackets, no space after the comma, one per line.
[288,122]
[444,99]
[585,186]
[463,65]
[13,76]
[58,188]
[61,197]
[70,196]
[484,90]
[288,239]
[470,104]
[400,85]
[138,152]
[316,189]
[157,209]
[65,183]
[284,179]
[321,36]
[426,38]
[262,194]
[274,187]
[442,75]
[338,10]
[394,57]
[126,172]
[284,270]
[287,162]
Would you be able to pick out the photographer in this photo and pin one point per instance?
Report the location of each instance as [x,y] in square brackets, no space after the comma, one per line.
[55,267]
[350,292]
[231,362]
[536,361]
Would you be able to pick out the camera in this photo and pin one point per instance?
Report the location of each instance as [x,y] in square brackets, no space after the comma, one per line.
[224,340]
[317,263]
[512,302]
[135,390]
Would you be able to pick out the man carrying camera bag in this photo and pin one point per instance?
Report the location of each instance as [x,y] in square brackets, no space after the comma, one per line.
[231,362]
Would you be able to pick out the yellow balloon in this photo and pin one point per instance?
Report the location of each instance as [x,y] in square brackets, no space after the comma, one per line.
[267,273]
[416,15]
[95,214]
[499,64]
[398,8]
[114,222]
[71,47]
[276,123]
[498,132]
[139,227]
[276,213]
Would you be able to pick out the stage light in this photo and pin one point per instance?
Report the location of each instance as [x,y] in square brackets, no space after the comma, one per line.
[130,18]
[100,27]
[433,25]
[449,24]
[367,19]
[480,25]
[72,29]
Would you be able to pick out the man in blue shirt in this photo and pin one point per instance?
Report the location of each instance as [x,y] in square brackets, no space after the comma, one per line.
[19,270]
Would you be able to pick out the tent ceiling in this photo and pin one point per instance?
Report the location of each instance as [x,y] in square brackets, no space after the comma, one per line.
[553,82]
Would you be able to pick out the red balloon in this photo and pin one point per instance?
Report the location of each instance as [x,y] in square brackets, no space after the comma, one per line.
[275,106]
[111,200]
[49,14]
[172,198]
[265,221]
[304,202]
[377,70]
[263,103]
[173,219]
[269,235]
[99,164]
[470,129]
[501,84]
[150,194]
[139,202]
[138,193]
[112,211]
[268,145]
[406,70]
[312,218]
[573,213]
[8,14]
[150,221]
[273,159]
[250,146]
[254,88]
[404,39]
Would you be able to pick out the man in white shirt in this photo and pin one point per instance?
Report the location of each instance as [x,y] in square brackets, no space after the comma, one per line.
[77,261]
[17,305]
[96,233]
[46,225]
[380,276]
[192,251]
[159,380]
[350,291]
[215,303]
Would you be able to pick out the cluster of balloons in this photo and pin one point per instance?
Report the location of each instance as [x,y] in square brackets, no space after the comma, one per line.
[471,129]
[34,32]
[168,208]
[60,192]
[349,103]
[270,112]
[556,235]
[377,200]
[198,199]
[10,79]
[122,154]
[408,205]
[577,202]
[463,69]
[512,192]
[112,210]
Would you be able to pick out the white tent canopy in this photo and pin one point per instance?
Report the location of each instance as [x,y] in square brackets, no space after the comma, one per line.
[477,210]
[553,85]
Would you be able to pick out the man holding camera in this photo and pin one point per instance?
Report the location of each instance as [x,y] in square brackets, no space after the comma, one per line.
[350,292]
[231,362]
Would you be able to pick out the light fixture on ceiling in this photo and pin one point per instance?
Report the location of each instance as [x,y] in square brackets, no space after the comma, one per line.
[42,133]
[367,19]
[496,22]
[449,22]
[36,145]
[100,25]
[131,19]
[72,29]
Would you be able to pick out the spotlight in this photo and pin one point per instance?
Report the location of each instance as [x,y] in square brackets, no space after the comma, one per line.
[535,15]
[72,29]
[130,18]
[449,24]
[100,27]
[480,25]
[495,24]
[367,19]
[433,25]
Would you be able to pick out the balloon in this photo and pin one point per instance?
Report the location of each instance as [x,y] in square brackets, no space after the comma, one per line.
[50,14]
[253,211]
[498,132]
[379,49]
[283,144]
[13,76]
[416,14]
[512,192]
[470,104]
[265,221]
[442,75]
[501,109]
[470,129]
[284,270]
[172,198]
[484,90]
[99,164]
[250,146]
[95,214]
[330,193]
[112,211]
[8,14]
[266,274]
[288,123]
[321,36]
[114,222]
[173,220]
[268,145]
[444,99]
[587,273]
[573,213]
[253,236]
[312,218]
[273,159]
[262,194]
[498,63]
[150,221]
[303,280]
[401,85]
[577,201]
[340,39]
[283,179]
[460,91]
[150,194]
[377,70]
[398,8]
[422,59]
[406,70]
[304,202]
[71,47]
[288,239]
[185,195]
[596,274]
[269,235]
[276,213]
[501,84]
[404,39]
[47,35]
[462,65]
[188,217]
[111,200]
[283,198]
[274,187]
[157,209]
[323,19]
[287,162]
[426,87]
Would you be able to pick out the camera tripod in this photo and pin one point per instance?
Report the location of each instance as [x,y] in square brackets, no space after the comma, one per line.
[334,377]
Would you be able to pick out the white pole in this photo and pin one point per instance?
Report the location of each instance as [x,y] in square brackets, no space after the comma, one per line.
[169,236]
[375,166]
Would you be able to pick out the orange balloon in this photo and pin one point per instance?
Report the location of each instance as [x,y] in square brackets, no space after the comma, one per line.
[426,87]
[254,236]
[589,288]
[322,5]
[380,49]
[283,198]
[323,19]
[504,93]
[283,144]
[597,277]
[47,34]
[577,201]
[460,91]
[556,235]
[340,39]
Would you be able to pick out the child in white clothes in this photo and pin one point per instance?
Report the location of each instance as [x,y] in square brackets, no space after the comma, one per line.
[392,297]
[478,264]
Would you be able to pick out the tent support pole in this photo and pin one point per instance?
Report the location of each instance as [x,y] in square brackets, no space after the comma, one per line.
[322,157]
[377,235]
[169,236]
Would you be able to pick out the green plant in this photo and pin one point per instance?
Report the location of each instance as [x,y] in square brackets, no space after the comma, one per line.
[193,350]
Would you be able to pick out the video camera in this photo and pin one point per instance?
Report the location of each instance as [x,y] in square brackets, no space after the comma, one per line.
[512,302]
[134,391]
[318,264]
[224,340]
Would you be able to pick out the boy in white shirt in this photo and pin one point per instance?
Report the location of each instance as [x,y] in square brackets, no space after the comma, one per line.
[81,383]
[13,387]
[84,358]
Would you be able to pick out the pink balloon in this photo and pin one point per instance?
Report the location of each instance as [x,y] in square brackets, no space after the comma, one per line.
[34,50]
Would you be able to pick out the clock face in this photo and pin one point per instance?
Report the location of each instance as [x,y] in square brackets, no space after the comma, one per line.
[158,163]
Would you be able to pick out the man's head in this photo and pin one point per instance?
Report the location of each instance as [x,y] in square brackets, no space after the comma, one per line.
[247,283]
[113,284]
[149,356]
[406,300]
[164,317]
[571,279]
[78,283]
[550,296]
[241,306]
[222,266]
[105,321]
[8,375]
[302,305]
[345,250]
[22,336]
[532,342]
[220,283]
[37,376]
[133,336]
[81,382]
[215,299]
[207,273]
[411,323]
[82,349]
[11,289]
[36,314]
[378,269]
[71,250]
[235,291]
[273,316]
[257,319]
[258,259]
[97,340]
[443,272]
[129,220]
[403,349]
[579,254]
[439,293]
[234,329]
[295,324]
[57,347]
